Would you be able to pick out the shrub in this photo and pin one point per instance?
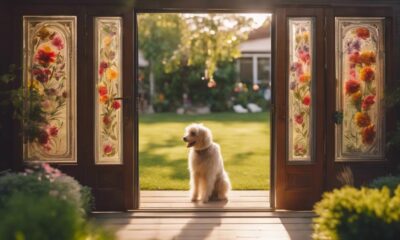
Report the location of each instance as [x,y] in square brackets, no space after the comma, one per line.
[38,217]
[392,182]
[34,217]
[39,180]
[351,213]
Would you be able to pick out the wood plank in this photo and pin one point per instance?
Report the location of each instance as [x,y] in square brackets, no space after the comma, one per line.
[217,205]
[169,193]
[243,221]
[187,199]
[210,234]
[205,214]
[216,226]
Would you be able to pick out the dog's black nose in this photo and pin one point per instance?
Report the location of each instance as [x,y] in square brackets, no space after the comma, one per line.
[184,138]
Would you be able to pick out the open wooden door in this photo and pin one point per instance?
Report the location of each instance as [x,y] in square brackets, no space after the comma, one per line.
[81,60]
[300,110]
[110,54]
[359,70]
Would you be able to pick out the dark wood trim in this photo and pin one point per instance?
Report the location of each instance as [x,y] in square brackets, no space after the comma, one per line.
[136,182]
[272,117]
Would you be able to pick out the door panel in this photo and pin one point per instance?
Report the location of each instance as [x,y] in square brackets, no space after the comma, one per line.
[300,107]
[364,166]
[111,175]
[111,182]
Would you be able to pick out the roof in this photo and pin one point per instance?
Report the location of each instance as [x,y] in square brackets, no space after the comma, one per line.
[259,40]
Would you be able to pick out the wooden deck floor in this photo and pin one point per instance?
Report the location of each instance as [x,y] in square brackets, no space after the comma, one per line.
[209,225]
[170,215]
[181,200]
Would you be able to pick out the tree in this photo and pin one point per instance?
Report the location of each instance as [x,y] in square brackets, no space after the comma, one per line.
[159,35]
[184,48]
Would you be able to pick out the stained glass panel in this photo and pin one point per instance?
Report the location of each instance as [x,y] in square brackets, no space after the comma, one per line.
[49,80]
[108,132]
[300,88]
[360,74]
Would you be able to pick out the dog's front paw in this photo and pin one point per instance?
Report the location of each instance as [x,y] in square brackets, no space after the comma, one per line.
[194,199]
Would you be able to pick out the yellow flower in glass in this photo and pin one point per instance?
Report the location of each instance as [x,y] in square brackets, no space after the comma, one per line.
[107,41]
[111,74]
[35,84]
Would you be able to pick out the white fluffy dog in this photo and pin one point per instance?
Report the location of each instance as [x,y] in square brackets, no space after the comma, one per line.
[208,179]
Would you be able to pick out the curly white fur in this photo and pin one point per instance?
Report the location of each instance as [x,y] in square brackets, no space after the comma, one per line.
[208,178]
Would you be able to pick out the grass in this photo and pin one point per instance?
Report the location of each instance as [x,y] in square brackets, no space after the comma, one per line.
[244,140]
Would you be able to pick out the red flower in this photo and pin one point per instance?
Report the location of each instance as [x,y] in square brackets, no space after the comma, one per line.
[298,118]
[103,66]
[362,32]
[102,90]
[299,150]
[43,137]
[106,120]
[352,86]
[41,75]
[307,100]
[58,42]
[355,58]
[116,105]
[304,56]
[367,74]
[53,131]
[45,57]
[107,149]
[368,134]
[296,66]
[367,102]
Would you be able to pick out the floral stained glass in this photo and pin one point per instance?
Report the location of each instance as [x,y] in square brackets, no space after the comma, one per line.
[300,82]
[360,84]
[49,77]
[108,89]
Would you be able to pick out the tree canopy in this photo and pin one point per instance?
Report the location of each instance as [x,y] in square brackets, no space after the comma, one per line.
[170,40]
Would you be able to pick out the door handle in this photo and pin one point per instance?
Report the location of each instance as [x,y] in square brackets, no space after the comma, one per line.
[123,98]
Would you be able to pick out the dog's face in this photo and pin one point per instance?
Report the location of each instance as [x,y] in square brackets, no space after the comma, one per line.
[197,136]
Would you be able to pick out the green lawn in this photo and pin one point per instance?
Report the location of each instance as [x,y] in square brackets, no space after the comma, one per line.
[244,140]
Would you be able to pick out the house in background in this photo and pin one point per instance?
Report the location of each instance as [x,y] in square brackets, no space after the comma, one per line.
[254,65]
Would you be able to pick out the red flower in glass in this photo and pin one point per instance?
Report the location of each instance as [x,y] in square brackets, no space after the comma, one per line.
[45,57]
[352,86]
[368,134]
[53,131]
[307,100]
[106,120]
[102,90]
[298,118]
[362,32]
[107,149]
[116,105]
[58,43]
[367,102]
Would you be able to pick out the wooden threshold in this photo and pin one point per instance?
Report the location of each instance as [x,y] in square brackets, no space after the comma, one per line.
[180,201]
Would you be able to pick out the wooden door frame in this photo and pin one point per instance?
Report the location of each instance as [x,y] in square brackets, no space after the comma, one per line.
[272,160]
[79,8]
